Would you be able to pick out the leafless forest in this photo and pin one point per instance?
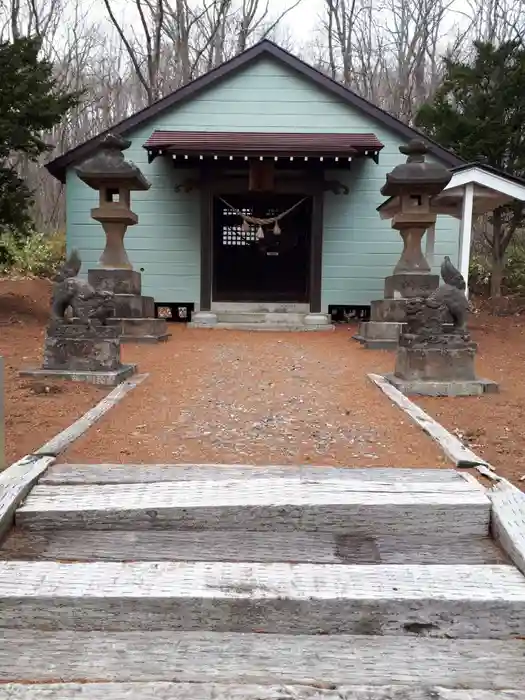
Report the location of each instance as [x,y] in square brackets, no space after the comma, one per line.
[125,54]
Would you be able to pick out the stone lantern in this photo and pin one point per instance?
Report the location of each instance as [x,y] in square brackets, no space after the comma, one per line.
[410,187]
[115,178]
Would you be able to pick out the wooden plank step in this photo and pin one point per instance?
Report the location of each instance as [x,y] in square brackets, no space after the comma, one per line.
[441,600]
[220,545]
[360,508]
[508,521]
[259,659]
[222,691]
[137,473]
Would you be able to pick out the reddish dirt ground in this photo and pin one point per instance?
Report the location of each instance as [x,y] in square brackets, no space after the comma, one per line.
[257,398]
[35,411]
[493,426]
[217,396]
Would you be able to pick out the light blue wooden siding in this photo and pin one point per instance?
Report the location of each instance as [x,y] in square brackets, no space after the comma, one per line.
[165,244]
[359,249]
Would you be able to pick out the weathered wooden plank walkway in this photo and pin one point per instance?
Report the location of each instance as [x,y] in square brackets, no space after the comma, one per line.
[131,582]
[364,508]
[216,545]
[147,473]
[204,657]
[217,691]
[448,600]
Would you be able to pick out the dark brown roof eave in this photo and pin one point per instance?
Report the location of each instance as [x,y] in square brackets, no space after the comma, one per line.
[58,166]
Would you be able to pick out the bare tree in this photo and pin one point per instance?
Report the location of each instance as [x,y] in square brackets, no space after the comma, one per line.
[389,51]
[144,50]
[39,18]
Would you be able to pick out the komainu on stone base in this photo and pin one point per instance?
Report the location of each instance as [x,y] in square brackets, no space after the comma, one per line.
[78,343]
[85,302]
[434,357]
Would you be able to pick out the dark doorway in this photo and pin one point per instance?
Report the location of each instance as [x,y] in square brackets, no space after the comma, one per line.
[275,267]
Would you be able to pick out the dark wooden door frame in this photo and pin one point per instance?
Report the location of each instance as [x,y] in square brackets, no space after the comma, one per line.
[211,184]
[316,245]
[206,240]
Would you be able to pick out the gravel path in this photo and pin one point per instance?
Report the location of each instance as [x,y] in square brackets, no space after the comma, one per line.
[258,398]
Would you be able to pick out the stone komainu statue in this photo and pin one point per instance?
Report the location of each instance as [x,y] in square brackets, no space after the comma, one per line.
[86,303]
[448,303]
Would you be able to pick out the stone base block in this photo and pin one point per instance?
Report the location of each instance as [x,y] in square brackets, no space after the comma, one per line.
[473,387]
[407,285]
[115,280]
[110,378]
[141,330]
[204,319]
[134,306]
[390,310]
[76,347]
[379,335]
[436,364]
[317,320]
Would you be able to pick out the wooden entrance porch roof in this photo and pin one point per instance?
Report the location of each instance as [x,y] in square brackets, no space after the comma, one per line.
[260,144]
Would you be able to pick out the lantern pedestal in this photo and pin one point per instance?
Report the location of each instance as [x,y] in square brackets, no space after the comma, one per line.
[388,315]
[115,220]
[134,313]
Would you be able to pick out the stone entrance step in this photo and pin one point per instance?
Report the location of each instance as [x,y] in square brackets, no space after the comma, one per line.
[258,307]
[272,318]
[273,327]
[260,316]
[271,321]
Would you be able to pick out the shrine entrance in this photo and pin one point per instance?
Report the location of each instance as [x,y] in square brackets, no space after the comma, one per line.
[261,247]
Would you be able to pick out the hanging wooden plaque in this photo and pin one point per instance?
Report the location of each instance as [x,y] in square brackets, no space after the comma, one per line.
[262,176]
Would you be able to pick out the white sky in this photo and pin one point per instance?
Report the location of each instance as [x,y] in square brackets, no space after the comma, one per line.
[301,21]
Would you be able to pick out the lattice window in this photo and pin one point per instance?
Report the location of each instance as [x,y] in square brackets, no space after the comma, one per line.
[232,233]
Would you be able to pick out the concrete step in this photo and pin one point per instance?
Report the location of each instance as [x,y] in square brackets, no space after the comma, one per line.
[446,601]
[271,318]
[258,307]
[308,662]
[228,691]
[346,506]
[287,317]
[272,327]
[220,545]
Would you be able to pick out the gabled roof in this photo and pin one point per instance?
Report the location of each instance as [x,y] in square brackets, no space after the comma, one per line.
[264,48]
[492,188]
[488,176]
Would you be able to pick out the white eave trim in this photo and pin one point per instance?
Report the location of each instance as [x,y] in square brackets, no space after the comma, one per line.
[497,183]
